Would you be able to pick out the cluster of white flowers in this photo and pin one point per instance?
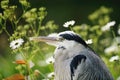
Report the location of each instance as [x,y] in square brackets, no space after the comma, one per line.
[114,47]
[117,39]
[16,43]
[114,58]
[118,78]
[89,41]
[50,60]
[108,25]
[111,49]
[69,23]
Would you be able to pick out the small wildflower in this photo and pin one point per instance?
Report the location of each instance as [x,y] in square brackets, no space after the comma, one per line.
[50,60]
[114,58]
[51,75]
[20,62]
[108,25]
[16,43]
[111,49]
[69,23]
[89,41]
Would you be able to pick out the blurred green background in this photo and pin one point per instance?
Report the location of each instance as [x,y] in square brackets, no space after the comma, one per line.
[63,10]
[60,11]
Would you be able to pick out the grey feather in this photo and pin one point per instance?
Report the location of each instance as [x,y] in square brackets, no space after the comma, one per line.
[92,69]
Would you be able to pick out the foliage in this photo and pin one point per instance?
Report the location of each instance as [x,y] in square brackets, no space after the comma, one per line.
[31,56]
[24,25]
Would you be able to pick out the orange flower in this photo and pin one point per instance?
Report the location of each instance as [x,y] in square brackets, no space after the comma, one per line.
[20,61]
[15,77]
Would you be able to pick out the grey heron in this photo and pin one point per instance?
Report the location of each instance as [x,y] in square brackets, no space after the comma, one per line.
[74,59]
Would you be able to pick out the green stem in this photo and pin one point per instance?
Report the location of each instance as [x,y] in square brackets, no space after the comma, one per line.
[38,31]
[24,10]
[34,33]
[71,28]
[19,18]
[28,69]
[4,28]
[43,75]
[24,57]
[46,32]
[12,25]
[113,34]
[27,64]
[6,31]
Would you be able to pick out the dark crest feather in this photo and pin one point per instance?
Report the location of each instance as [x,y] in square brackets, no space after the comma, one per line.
[75,37]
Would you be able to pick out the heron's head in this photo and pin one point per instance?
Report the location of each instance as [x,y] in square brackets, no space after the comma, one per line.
[66,39]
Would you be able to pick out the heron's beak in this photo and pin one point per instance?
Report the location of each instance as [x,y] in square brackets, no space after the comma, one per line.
[49,40]
[44,39]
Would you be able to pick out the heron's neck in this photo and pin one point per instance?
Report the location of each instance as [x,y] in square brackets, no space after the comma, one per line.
[64,53]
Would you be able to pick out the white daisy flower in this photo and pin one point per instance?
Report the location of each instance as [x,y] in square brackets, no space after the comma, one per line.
[51,75]
[69,23]
[16,43]
[108,25]
[114,58]
[50,60]
[89,41]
